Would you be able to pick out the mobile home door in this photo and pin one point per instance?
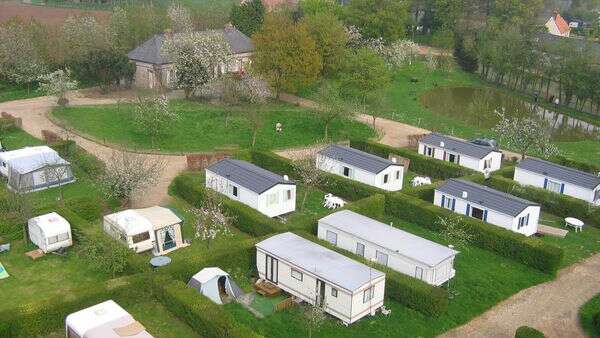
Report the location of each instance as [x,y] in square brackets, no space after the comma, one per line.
[272,268]
[320,292]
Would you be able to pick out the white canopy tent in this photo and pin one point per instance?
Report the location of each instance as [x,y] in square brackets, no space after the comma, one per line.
[211,282]
[50,232]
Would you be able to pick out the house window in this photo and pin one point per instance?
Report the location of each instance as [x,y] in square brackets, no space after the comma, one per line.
[346,171]
[487,164]
[553,186]
[272,199]
[368,294]
[381,258]
[360,249]
[288,194]
[428,151]
[418,272]
[331,237]
[234,191]
[140,237]
[334,292]
[385,178]
[397,174]
[523,221]
[449,203]
[297,275]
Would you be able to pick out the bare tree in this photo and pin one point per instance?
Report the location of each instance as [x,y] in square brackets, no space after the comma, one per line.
[255,91]
[129,173]
[332,106]
[306,168]
[454,231]
[20,207]
[211,220]
[57,171]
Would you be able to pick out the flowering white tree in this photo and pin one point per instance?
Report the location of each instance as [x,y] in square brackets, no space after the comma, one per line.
[81,35]
[58,83]
[197,57]
[399,53]
[211,220]
[308,171]
[181,19]
[525,134]
[454,231]
[153,116]
[255,91]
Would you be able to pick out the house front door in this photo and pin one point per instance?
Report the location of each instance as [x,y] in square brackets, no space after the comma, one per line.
[320,291]
[271,269]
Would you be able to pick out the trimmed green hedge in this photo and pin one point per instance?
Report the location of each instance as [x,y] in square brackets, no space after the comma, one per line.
[527,250]
[200,313]
[528,332]
[418,163]
[373,206]
[557,204]
[590,168]
[411,292]
[596,322]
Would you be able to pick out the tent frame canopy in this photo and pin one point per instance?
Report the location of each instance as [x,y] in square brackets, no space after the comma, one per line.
[207,281]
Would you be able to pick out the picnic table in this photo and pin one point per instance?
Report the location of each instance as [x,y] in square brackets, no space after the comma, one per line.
[159,261]
[575,223]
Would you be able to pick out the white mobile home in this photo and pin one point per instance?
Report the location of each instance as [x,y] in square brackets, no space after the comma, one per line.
[104,320]
[361,166]
[399,250]
[345,288]
[34,168]
[50,232]
[155,228]
[467,154]
[489,205]
[260,189]
[559,179]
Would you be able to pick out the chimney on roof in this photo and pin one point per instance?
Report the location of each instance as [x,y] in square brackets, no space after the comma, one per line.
[465,194]
[286,178]
[394,160]
[555,13]
[442,144]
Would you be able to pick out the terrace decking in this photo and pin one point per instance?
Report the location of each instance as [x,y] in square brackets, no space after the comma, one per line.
[552,231]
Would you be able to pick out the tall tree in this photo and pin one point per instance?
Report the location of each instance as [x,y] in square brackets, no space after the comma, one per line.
[312,7]
[58,83]
[248,16]
[332,106]
[181,19]
[81,35]
[364,73]
[331,38]
[153,116]
[211,219]
[287,58]
[106,67]
[385,19]
[255,91]
[525,134]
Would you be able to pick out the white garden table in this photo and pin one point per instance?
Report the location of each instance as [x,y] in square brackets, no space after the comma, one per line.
[575,223]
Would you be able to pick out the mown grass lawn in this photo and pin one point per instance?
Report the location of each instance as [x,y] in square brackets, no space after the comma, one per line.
[201,127]
[586,313]
[10,92]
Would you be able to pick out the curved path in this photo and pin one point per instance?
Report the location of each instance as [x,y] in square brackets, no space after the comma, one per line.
[34,114]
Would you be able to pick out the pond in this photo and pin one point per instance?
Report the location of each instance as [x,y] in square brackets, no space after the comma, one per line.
[478,105]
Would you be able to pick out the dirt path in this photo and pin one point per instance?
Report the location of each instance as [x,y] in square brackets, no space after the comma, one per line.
[33,112]
[551,307]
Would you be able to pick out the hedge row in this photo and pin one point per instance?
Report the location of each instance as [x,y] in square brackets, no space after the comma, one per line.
[557,204]
[83,160]
[596,322]
[190,187]
[529,251]
[590,168]
[42,317]
[528,332]
[200,313]
[411,292]
[418,163]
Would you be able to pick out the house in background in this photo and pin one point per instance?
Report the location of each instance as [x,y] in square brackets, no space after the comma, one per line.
[467,154]
[389,246]
[260,189]
[489,205]
[154,70]
[559,179]
[558,26]
[361,166]
[347,289]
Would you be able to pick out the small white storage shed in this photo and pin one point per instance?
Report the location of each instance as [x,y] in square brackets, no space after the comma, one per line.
[469,155]
[34,168]
[489,205]
[345,288]
[104,320]
[260,189]
[361,166]
[215,284]
[389,246]
[559,179]
[50,232]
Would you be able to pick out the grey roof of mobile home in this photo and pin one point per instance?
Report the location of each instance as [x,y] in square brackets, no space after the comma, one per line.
[324,263]
[360,159]
[559,172]
[485,196]
[389,237]
[247,175]
[457,145]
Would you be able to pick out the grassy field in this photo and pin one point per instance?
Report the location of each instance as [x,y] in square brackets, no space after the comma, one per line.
[201,127]
[9,92]
[586,312]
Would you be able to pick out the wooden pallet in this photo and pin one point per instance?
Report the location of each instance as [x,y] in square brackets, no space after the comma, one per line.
[35,254]
[267,289]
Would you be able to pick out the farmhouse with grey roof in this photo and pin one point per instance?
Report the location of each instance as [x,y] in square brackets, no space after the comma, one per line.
[474,156]
[559,179]
[488,205]
[155,70]
[390,246]
[361,166]
[267,192]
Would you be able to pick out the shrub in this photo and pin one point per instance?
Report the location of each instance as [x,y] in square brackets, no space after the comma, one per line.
[373,206]
[411,292]
[87,208]
[590,168]
[529,251]
[200,313]
[418,163]
[528,332]
[596,322]
[80,158]
[425,192]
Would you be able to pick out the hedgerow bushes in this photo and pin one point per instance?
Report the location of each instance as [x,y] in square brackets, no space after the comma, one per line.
[528,332]
[411,292]
[418,163]
[529,251]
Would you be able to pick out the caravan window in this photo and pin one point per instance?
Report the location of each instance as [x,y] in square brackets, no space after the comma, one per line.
[368,294]
[385,178]
[382,258]
[331,237]
[346,171]
[334,292]
[63,236]
[234,191]
[272,198]
[553,186]
[52,239]
[288,194]
[297,275]
[144,236]
[397,174]
[360,249]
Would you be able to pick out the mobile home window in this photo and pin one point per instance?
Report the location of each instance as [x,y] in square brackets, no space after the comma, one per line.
[448,202]
[63,236]
[360,249]
[297,275]
[331,237]
[418,272]
[234,191]
[140,237]
[334,292]
[53,239]
[553,186]
[368,294]
[428,151]
[523,221]
[288,194]
[597,195]
[385,178]
[346,171]
[397,174]
[382,258]
[272,199]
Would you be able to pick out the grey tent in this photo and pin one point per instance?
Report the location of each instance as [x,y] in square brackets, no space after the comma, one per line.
[214,282]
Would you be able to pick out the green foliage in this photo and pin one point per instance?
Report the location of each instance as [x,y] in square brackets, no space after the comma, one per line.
[363,74]
[418,163]
[106,67]
[528,332]
[465,57]
[205,317]
[587,167]
[373,206]
[107,255]
[384,19]
[331,38]
[529,251]
[589,317]
[88,208]
[85,161]
[596,322]
[248,16]
[311,7]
